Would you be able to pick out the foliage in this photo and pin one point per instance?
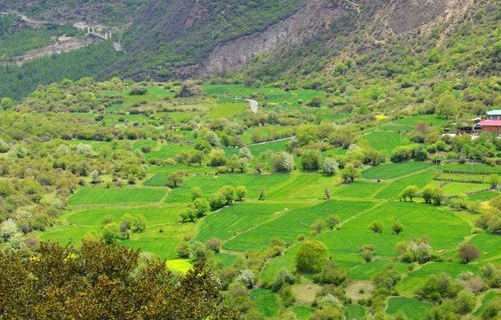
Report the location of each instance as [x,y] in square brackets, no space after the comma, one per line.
[311,256]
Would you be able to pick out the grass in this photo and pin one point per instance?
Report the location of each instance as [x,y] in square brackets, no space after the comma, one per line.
[489,245]
[394,170]
[411,308]
[386,141]
[484,196]
[354,312]
[302,312]
[236,219]
[162,235]
[226,110]
[457,188]
[488,297]
[358,189]
[417,278]
[168,151]
[395,188]
[266,301]
[93,196]
[292,223]
[470,168]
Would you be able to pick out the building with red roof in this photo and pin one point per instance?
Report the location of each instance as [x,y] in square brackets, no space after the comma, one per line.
[490,125]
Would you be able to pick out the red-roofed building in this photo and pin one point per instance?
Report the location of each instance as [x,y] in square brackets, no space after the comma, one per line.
[490,125]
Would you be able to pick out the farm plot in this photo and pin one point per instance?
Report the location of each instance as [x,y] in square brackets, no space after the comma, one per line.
[209,184]
[161,236]
[386,141]
[417,278]
[394,170]
[458,188]
[358,189]
[419,220]
[168,151]
[97,196]
[488,245]
[234,220]
[411,308]
[470,168]
[395,188]
[266,301]
[293,223]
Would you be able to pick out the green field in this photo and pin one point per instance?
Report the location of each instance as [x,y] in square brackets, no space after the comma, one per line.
[92,196]
[394,170]
[386,141]
[410,308]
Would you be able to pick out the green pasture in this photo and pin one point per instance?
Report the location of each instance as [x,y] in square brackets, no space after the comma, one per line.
[234,220]
[394,170]
[355,312]
[93,196]
[415,279]
[266,132]
[419,220]
[488,245]
[267,302]
[411,308]
[358,189]
[291,223]
[168,151]
[470,168]
[227,110]
[395,188]
[484,196]
[458,188]
[302,312]
[161,237]
[386,141]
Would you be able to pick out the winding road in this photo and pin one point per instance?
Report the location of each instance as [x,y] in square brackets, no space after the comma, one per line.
[254,105]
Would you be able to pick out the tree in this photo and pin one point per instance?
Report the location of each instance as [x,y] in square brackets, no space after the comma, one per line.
[189,89]
[202,207]
[241,191]
[330,166]
[196,193]
[110,233]
[310,160]
[493,180]
[427,194]
[99,281]
[350,173]
[468,253]
[465,302]
[183,250]
[311,256]
[214,244]
[367,252]
[330,274]
[397,228]
[217,158]
[332,222]
[7,104]
[8,229]
[377,227]
[95,178]
[318,226]
[438,196]
[175,179]
[283,162]
[409,192]
[447,106]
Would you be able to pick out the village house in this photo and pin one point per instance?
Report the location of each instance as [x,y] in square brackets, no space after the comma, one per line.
[492,123]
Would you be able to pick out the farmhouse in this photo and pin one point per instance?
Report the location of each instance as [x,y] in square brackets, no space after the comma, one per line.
[492,123]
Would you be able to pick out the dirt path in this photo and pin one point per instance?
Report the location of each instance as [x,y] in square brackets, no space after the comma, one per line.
[254,105]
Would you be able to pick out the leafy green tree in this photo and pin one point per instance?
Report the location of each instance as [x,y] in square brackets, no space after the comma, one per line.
[283,162]
[310,160]
[409,192]
[175,179]
[397,228]
[241,192]
[311,256]
[330,166]
[447,106]
[7,104]
[377,227]
[350,173]
[196,193]
[202,207]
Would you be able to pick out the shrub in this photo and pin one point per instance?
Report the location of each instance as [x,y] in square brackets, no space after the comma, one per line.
[468,253]
[438,287]
[377,227]
[283,162]
[310,160]
[214,244]
[330,166]
[311,256]
[409,192]
[241,191]
[330,274]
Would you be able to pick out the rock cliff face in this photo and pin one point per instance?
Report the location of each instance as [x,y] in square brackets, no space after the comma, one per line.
[401,17]
[314,18]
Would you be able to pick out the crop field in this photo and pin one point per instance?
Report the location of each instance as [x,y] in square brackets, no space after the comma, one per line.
[167,151]
[386,141]
[410,308]
[394,170]
[395,188]
[161,236]
[457,188]
[92,196]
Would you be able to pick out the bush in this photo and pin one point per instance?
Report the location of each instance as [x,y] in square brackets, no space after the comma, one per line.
[311,256]
[330,166]
[330,274]
[283,162]
[468,253]
[138,91]
[310,160]
[214,244]
[377,227]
